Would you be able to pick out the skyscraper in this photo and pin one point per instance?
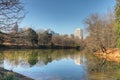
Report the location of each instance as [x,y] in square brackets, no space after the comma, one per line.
[15,28]
[78,33]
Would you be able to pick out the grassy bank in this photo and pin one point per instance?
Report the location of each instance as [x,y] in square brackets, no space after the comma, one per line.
[9,75]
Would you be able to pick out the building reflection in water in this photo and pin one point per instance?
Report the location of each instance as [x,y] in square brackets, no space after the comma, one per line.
[44,64]
[35,63]
[28,59]
[78,59]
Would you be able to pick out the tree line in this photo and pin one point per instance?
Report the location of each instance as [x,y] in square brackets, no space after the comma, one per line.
[41,38]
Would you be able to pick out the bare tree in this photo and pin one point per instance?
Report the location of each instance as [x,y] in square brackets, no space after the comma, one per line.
[101,32]
[11,11]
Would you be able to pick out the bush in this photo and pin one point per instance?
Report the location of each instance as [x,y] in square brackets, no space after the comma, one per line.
[9,76]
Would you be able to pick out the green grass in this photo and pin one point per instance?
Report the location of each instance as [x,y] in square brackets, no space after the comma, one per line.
[8,76]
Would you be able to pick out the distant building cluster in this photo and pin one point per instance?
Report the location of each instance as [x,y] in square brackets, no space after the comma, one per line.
[78,33]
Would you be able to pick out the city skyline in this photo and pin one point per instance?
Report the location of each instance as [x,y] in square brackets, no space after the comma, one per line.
[62,15]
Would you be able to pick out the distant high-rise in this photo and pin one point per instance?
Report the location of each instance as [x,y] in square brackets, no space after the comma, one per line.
[15,28]
[79,33]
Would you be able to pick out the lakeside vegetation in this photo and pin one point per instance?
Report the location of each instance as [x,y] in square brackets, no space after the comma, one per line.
[9,75]
[40,40]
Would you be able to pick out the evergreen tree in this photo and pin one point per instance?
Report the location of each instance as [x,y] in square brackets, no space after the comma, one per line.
[117,22]
[32,37]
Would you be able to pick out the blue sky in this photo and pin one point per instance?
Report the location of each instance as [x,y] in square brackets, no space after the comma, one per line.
[62,16]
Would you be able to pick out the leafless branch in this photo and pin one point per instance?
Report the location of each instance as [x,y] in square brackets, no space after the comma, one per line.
[11,11]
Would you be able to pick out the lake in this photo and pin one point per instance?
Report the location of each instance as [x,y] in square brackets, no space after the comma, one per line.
[59,65]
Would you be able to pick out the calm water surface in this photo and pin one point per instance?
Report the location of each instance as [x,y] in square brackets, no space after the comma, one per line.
[59,65]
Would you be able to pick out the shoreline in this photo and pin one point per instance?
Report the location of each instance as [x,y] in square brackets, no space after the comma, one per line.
[16,75]
[38,47]
[112,54]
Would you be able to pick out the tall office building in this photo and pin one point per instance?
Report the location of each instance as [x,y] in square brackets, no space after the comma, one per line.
[79,33]
[15,28]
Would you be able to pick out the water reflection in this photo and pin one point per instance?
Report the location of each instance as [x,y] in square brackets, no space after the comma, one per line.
[59,65]
[33,57]
[101,69]
[46,64]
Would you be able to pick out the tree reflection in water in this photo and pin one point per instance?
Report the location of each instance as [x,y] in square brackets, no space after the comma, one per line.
[33,58]
[30,58]
[85,63]
[101,69]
